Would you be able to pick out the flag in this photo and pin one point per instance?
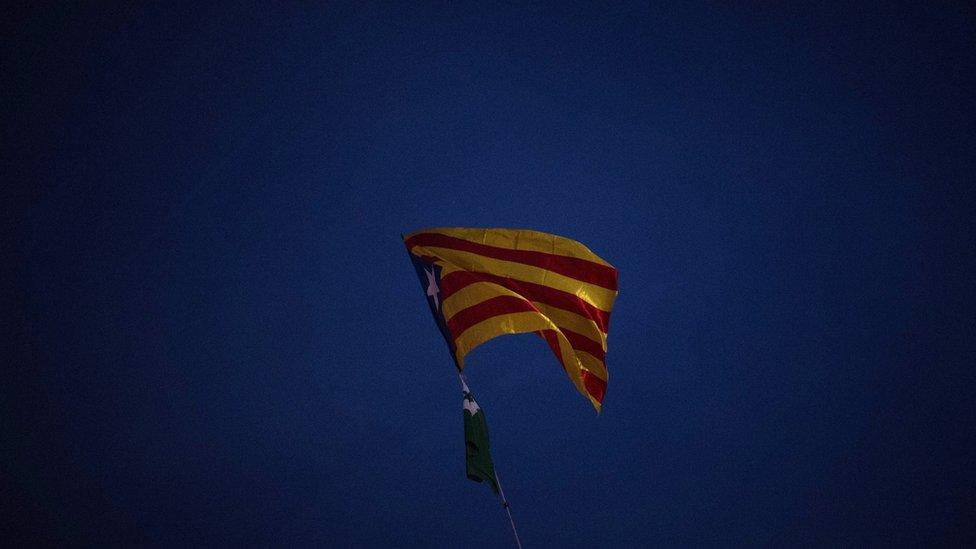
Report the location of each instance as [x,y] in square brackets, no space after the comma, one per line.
[477,452]
[483,283]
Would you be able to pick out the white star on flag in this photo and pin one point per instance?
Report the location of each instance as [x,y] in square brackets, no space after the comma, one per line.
[432,289]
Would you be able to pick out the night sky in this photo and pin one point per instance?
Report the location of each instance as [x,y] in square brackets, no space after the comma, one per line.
[214,335]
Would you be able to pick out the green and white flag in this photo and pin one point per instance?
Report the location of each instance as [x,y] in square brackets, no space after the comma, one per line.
[477,453]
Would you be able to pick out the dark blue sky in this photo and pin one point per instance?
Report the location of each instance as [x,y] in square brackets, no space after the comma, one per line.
[215,335]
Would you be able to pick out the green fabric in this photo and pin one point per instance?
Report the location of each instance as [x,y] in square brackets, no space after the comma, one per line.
[477,454]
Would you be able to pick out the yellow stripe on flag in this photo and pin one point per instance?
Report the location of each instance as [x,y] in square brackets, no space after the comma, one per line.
[521,323]
[599,297]
[471,295]
[521,239]
[480,291]
[572,321]
[593,364]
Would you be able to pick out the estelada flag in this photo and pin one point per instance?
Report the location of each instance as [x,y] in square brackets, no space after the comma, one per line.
[483,283]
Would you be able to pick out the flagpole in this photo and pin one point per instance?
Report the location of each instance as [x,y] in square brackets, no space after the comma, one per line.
[508,510]
[501,492]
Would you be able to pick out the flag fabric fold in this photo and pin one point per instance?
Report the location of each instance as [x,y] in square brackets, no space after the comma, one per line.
[483,283]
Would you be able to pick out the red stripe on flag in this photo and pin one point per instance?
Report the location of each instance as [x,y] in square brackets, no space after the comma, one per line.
[503,304]
[573,267]
[452,282]
[582,343]
[594,385]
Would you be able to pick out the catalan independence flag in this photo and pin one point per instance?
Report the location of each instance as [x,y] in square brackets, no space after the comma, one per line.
[483,283]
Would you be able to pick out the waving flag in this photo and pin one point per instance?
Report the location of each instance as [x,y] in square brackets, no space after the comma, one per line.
[483,283]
